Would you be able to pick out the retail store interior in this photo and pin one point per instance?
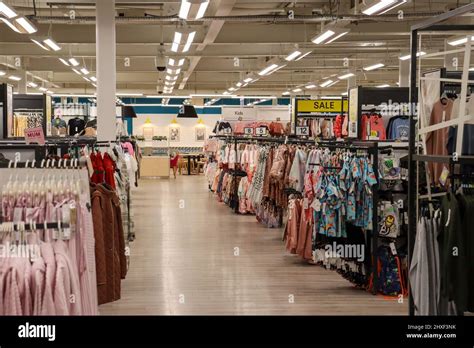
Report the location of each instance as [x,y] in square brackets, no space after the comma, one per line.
[237,157]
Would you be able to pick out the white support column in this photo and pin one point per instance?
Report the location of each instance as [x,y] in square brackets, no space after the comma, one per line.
[106,69]
[22,88]
[351,82]
[404,73]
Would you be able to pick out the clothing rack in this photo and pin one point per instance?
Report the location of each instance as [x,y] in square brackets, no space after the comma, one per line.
[370,147]
[38,226]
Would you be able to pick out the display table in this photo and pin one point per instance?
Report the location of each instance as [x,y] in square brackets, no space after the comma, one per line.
[155,166]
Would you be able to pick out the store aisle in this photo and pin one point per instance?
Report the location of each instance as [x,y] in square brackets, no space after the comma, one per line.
[183,262]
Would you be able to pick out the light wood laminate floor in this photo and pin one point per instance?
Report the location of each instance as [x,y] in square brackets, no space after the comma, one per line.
[183,262]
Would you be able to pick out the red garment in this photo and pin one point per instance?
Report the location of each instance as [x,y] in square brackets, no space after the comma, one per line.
[277,129]
[337,126]
[99,173]
[174,161]
[372,126]
[109,167]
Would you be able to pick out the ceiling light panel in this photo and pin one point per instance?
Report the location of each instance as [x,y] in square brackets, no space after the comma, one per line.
[376,7]
[52,44]
[182,41]
[7,11]
[10,24]
[39,42]
[193,9]
[25,26]
[374,66]
[73,61]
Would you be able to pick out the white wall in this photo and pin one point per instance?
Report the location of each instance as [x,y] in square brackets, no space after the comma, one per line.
[161,124]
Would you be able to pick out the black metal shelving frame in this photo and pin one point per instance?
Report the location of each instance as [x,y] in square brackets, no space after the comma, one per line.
[431,25]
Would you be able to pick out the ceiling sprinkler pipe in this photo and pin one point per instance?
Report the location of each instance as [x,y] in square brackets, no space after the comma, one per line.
[247,18]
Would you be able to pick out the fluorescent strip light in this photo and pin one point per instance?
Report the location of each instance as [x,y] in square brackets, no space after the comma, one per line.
[2,73]
[326,83]
[344,93]
[239,84]
[268,69]
[49,92]
[85,71]
[171,78]
[129,94]
[26,25]
[10,24]
[43,89]
[76,71]
[323,37]
[93,84]
[32,84]
[93,78]
[337,37]
[85,78]
[64,61]
[345,76]
[286,93]
[292,56]
[471,69]
[302,56]
[73,61]
[226,93]
[14,78]
[408,56]
[310,86]
[52,44]
[176,41]
[187,46]
[296,90]
[460,41]
[382,6]
[40,44]
[232,89]
[373,67]
[184,9]
[383,86]
[248,80]
[173,72]
[7,10]
[202,9]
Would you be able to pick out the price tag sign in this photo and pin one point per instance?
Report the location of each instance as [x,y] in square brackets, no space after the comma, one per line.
[227,130]
[261,131]
[302,130]
[34,136]
[248,131]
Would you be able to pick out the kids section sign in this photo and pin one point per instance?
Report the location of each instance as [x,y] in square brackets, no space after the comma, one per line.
[322,106]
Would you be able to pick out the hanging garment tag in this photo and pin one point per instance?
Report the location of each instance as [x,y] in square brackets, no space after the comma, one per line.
[393,248]
[444,176]
[449,218]
[65,221]
[17,214]
[305,203]
[73,217]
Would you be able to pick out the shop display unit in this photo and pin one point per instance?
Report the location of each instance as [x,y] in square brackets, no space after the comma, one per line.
[459,81]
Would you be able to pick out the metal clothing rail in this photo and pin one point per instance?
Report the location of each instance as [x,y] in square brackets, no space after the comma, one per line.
[430,25]
[371,148]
